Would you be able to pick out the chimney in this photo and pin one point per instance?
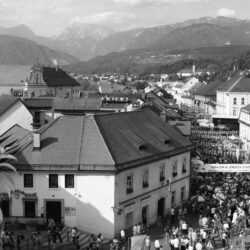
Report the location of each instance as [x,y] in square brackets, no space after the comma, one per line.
[163,116]
[193,70]
[36,140]
[36,136]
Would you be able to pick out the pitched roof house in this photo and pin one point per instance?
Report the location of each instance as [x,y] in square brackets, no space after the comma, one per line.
[49,81]
[13,111]
[101,169]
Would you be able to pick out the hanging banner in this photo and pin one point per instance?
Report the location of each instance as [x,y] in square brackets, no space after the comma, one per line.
[137,242]
[223,168]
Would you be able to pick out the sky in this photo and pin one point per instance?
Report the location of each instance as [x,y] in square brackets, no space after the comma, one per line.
[51,17]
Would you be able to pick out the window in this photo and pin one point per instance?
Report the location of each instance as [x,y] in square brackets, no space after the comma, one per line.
[182,193]
[28,180]
[29,208]
[234,112]
[184,165]
[145,179]
[130,184]
[242,101]
[53,181]
[173,197]
[162,172]
[69,180]
[234,101]
[174,169]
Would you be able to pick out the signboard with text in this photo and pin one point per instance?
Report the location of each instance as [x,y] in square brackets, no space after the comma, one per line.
[224,168]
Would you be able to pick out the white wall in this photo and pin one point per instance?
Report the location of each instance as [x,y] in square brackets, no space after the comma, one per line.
[17,114]
[94,208]
[92,197]
[136,200]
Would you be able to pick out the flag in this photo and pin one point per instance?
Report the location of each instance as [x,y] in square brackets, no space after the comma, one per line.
[137,242]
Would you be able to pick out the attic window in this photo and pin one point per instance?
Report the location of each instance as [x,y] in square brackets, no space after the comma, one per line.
[139,143]
[163,137]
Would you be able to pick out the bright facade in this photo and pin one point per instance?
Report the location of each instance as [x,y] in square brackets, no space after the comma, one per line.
[102,173]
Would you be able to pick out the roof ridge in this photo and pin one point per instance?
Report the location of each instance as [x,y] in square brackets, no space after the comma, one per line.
[119,113]
[237,81]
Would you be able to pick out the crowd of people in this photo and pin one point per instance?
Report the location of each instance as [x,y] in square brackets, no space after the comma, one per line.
[218,146]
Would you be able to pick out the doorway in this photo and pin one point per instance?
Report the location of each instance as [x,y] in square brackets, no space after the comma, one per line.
[161,207]
[144,215]
[129,220]
[54,210]
[5,206]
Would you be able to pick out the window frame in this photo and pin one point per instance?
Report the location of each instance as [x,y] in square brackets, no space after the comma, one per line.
[184,165]
[173,197]
[145,178]
[175,168]
[183,192]
[25,185]
[57,184]
[129,184]
[242,101]
[234,101]
[162,173]
[65,181]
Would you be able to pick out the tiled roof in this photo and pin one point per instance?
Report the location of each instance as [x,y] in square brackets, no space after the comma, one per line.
[109,139]
[125,132]
[208,89]
[58,78]
[6,101]
[15,138]
[39,102]
[239,83]
[77,104]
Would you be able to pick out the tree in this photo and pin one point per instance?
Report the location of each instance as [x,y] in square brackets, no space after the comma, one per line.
[6,172]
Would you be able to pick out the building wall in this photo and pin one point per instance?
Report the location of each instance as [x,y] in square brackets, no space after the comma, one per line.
[227,107]
[91,199]
[134,202]
[17,114]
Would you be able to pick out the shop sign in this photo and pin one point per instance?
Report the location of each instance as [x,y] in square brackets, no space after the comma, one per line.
[224,168]
[16,193]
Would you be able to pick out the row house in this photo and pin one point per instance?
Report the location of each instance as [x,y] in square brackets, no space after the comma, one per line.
[101,173]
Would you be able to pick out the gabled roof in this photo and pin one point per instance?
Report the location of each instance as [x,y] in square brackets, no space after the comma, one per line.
[117,139]
[239,83]
[15,138]
[7,101]
[58,78]
[208,89]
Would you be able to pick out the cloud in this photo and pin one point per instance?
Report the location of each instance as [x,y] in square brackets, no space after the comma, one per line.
[154,2]
[112,19]
[226,12]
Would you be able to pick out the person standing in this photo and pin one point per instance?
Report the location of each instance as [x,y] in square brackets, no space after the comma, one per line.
[157,245]
[147,243]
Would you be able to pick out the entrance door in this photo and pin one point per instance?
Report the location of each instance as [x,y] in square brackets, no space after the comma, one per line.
[161,207]
[144,215]
[5,206]
[53,210]
[129,220]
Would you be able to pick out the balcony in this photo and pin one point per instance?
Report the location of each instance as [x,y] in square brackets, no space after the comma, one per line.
[130,190]
[162,178]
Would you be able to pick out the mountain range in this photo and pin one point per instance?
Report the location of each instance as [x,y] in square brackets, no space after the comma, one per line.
[81,42]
